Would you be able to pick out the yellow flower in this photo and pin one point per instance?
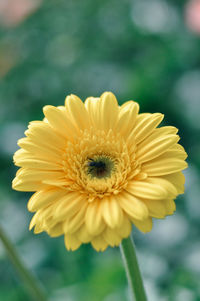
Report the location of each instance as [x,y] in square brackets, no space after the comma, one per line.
[97,168]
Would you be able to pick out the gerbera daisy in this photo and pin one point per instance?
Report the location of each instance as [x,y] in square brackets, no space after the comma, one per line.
[97,168]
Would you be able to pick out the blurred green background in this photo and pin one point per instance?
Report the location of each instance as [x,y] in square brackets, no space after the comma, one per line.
[145,50]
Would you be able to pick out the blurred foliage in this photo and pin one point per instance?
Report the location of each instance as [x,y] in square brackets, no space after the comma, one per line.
[141,50]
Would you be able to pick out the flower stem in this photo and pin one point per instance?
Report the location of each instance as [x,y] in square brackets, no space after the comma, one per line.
[132,270]
[35,290]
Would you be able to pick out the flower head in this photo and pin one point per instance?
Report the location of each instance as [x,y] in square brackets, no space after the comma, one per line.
[97,168]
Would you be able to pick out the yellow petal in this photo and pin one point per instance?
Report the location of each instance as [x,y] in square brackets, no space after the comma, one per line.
[93,218]
[143,189]
[92,106]
[83,234]
[60,121]
[158,133]
[160,167]
[128,104]
[132,205]
[148,151]
[72,242]
[144,226]
[108,107]
[77,111]
[99,244]
[144,126]
[170,206]
[57,182]
[56,231]
[75,222]
[42,151]
[178,180]
[27,185]
[111,212]
[167,186]
[43,198]
[20,153]
[38,228]
[69,205]
[37,224]
[127,118]
[125,229]
[50,222]
[112,237]
[33,163]
[164,130]
[35,219]
[176,151]
[27,174]
[47,213]
[42,133]
[160,208]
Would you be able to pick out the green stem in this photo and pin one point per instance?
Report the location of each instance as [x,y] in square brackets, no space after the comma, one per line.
[132,270]
[35,290]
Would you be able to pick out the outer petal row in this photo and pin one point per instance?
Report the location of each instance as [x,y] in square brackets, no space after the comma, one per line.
[103,111]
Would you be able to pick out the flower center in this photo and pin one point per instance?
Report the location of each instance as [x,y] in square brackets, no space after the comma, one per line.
[100,167]
[99,164]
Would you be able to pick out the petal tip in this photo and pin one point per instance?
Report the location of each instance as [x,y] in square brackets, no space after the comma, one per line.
[108,96]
